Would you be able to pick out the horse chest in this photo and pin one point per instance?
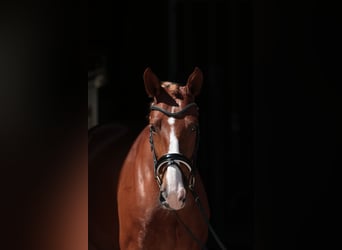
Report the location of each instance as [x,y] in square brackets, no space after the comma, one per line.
[164,232]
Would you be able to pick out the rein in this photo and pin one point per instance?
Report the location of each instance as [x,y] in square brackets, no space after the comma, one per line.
[175,158]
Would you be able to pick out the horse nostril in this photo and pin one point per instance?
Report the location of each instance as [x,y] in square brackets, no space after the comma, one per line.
[163,193]
[182,199]
[182,195]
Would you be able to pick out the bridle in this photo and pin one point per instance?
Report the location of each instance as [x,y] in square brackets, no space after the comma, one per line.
[166,160]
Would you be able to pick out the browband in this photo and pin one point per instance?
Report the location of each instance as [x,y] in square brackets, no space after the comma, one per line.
[170,114]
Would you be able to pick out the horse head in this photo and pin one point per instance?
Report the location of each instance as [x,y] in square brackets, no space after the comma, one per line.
[174,135]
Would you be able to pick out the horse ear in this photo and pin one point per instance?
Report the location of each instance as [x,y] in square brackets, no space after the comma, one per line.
[195,82]
[152,83]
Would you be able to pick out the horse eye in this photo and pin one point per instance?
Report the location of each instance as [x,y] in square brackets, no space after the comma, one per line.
[153,128]
[193,128]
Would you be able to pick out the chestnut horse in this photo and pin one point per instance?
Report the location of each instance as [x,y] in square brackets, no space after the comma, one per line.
[156,199]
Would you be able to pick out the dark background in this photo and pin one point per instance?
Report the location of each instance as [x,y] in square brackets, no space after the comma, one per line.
[269,111]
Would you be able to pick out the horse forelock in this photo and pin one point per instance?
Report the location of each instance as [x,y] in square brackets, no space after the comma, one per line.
[175,94]
[172,89]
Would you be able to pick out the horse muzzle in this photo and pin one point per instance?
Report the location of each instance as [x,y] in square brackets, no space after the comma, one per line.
[173,199]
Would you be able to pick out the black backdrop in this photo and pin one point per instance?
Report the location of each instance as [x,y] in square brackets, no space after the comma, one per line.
[269,111]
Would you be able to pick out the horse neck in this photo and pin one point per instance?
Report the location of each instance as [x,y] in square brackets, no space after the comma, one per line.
[140,156]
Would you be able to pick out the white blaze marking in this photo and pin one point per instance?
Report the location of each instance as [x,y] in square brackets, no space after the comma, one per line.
[174,179]
[173,146]
[173,174]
